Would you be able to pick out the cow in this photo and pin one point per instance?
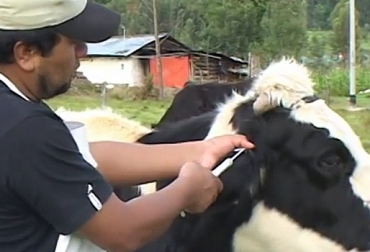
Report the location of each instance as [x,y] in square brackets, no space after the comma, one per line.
[195,99]
[304,187]
[97,120]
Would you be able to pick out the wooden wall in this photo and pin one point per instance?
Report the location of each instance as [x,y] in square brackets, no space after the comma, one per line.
[207,68]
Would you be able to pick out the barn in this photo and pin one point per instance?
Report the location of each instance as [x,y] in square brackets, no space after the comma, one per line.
[131,61]
[128,60]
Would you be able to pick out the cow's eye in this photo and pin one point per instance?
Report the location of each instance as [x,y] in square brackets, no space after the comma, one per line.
[330,161]
[328,167]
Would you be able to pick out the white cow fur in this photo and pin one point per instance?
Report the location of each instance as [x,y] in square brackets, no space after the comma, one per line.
[287,81]
[106,125]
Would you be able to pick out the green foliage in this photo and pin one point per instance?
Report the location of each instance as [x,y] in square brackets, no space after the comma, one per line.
[318,15]
[319,12]
[148,90]
[211,25]
[337,81]
[218,25]
[269,28]
[284,29]
[316,46]
[102,1]
[339,19]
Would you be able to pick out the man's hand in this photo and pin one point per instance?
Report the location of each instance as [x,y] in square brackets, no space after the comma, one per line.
[127,226]
[203,187]
[214,149]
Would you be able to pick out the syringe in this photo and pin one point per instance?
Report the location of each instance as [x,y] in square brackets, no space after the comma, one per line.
[223,167]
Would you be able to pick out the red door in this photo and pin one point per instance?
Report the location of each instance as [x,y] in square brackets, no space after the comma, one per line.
[175,71]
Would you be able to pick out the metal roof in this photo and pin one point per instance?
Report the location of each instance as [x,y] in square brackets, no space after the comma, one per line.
[124,47]
[119,46]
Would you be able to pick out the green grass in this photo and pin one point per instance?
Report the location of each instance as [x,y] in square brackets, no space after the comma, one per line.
[359,120]
[150,111]
[146,112]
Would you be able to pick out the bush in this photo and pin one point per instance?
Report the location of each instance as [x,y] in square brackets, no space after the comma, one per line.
[337,81]
[147,90]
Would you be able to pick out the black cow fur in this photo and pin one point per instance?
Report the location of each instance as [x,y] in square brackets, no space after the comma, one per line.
[306,176]
[196,99]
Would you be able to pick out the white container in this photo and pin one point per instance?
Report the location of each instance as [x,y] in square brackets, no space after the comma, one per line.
[75,242]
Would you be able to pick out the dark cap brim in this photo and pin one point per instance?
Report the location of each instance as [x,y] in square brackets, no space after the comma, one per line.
[94,24]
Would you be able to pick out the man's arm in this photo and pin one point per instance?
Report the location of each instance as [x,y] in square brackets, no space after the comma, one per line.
[151,215]
[128,226]
[134,163]
[50,175]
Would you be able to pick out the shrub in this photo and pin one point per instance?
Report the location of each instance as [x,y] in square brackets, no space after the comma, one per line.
[337,80]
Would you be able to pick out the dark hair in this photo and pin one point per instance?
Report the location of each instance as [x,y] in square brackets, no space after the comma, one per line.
[43,39]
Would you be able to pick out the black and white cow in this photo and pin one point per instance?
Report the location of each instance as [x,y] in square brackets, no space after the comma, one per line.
[196,99]
[303,188]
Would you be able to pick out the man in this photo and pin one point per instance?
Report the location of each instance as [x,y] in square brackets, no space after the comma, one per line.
[47,189]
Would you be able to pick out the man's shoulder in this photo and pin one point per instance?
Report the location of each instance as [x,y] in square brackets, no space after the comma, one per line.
[15,111]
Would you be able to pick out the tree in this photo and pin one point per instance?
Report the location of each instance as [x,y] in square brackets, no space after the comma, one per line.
[339,19]
[285,29]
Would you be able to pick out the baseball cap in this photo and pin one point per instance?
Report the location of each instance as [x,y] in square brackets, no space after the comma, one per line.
[78,19]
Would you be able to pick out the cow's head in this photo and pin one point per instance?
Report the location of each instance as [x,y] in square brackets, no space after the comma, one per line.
[302,187]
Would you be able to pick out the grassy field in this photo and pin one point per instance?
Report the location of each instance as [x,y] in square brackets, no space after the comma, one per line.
[150,111]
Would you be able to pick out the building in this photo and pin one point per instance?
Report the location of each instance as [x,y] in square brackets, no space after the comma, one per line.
[131,60]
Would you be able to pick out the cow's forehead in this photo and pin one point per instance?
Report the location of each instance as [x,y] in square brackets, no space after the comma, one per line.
[322,116]
[286,82]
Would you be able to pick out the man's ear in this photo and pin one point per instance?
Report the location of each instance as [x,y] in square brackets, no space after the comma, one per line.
[25,56]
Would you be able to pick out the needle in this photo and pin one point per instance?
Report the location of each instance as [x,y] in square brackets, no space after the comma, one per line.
[227,163]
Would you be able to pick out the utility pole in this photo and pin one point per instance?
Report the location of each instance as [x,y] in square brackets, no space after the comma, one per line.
[352,53]
[158,51]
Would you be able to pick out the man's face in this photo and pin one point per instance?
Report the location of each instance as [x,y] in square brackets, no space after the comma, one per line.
[54,73]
